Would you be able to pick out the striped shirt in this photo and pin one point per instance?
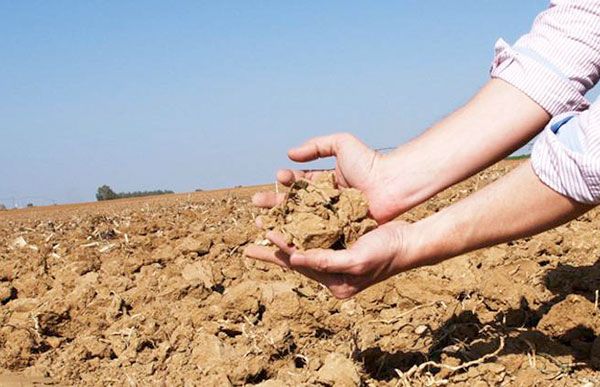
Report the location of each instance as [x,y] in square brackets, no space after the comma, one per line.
[555,64]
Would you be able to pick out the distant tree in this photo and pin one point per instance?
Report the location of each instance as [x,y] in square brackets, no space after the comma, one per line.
[2,207]
[137,194]
[29,204]
[520,157]
[105,193]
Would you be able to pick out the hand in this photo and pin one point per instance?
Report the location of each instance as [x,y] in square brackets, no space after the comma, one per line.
[357,166]
[373,258]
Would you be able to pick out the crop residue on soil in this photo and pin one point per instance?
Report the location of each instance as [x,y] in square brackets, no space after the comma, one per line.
[156,291]
[317,214]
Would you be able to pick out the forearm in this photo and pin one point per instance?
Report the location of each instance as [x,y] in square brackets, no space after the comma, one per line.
[513,207]
[497,121]
[547,72]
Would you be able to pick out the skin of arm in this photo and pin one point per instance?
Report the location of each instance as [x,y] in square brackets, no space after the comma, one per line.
[494,123]
[515,206]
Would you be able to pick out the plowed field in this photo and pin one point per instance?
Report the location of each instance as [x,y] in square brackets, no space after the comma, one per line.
[156,291]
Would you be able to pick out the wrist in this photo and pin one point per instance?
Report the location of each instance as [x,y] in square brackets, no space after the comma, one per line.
[401,185]
[432,240]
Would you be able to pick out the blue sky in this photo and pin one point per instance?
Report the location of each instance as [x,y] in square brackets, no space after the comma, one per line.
[196,94]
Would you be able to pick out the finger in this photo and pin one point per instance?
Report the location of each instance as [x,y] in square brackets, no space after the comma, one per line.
[279,240]
[315,148]
[267,199]
[278,257]
[325,261]
[267,254]
[259,222]
[343,286]
[326,279]
[288,177]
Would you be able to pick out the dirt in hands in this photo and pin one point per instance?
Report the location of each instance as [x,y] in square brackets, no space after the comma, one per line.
[318,214]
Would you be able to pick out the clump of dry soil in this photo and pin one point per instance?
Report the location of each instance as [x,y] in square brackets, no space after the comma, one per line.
[317,214]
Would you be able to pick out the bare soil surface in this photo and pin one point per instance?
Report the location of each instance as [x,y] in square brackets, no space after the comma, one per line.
[156,291]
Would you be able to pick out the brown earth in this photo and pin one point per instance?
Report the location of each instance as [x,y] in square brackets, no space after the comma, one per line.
[156,291]
[318,214]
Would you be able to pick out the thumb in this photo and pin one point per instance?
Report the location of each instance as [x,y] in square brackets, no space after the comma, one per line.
[319,147]
[325,261]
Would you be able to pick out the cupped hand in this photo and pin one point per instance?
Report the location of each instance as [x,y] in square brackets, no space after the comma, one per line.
[357,166]
[373,258]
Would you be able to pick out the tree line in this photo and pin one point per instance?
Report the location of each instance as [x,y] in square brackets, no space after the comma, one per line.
[106,193]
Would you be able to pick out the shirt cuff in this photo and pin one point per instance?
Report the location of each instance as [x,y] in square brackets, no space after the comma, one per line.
[550,90]
[568,172]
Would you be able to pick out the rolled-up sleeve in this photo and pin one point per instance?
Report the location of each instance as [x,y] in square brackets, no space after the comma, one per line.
[558,61]
[574,173]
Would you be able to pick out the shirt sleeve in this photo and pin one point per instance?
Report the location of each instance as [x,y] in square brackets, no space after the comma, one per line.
[571,171]
[558,61]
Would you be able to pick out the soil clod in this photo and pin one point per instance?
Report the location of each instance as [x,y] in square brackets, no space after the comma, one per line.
[317,214]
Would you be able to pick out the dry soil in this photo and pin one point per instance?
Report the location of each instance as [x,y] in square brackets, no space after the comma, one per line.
[318,214]
[156,291]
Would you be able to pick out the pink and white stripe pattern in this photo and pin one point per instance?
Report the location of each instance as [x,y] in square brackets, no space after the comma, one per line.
[573,174]
[555,64]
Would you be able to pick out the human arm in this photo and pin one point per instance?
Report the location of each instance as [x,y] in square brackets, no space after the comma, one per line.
[515,206]
[547,72]
[553,66]
[498,120]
